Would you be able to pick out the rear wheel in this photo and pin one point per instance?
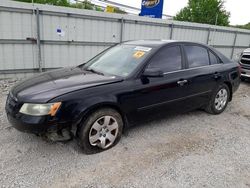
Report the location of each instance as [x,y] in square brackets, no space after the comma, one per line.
[219,100]
[101,131]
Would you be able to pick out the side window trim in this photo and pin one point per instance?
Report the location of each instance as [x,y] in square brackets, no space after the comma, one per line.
[209,51]
[183,57]
[187,69]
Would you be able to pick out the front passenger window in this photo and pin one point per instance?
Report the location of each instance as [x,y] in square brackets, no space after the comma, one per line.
[167,59]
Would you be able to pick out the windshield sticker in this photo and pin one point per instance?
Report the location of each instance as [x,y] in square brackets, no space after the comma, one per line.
[144,49]
[138,54]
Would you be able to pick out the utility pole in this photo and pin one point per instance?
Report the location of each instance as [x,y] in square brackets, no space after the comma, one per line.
[216,22]
[216,19]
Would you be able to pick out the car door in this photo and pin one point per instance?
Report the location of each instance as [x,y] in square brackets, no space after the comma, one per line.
[203,73]
[165,93]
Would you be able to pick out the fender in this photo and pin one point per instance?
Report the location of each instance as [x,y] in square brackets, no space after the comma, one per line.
[83,107]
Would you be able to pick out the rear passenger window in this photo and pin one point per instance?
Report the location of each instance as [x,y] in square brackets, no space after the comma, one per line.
[197,56]
[213,59]
[167,59]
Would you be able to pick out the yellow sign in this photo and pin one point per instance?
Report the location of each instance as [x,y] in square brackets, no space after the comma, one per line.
[138,54]
[110,9]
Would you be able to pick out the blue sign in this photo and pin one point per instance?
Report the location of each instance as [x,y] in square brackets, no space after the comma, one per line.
[58,30]
[152,8]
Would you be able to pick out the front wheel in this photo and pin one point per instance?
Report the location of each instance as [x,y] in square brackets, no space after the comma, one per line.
[219,100]
[101,131]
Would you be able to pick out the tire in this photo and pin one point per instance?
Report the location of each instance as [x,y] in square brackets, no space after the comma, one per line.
[215,107]
[100,131]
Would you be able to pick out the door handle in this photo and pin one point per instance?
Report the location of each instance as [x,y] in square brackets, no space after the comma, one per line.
[182,82]
[217,75]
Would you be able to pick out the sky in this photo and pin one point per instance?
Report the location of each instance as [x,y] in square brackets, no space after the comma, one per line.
[239,9]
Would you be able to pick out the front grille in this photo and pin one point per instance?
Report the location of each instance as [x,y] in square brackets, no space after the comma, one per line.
[246,56]
[245,59]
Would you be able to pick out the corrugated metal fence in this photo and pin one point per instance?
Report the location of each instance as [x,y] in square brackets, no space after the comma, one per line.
[42,37]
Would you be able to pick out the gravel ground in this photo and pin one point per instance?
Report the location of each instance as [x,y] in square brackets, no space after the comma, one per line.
[189,150]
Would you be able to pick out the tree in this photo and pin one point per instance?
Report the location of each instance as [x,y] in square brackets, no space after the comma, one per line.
[204,11]
[64,3]
[83,5]
[86,4]
[119,11]
[247,26]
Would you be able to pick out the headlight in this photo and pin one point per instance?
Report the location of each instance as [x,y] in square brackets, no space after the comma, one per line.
[40,109]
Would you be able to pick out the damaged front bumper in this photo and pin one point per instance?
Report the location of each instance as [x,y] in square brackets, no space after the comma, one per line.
[42,126]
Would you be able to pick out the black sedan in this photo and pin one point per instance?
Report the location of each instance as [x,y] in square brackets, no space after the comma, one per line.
[126,83]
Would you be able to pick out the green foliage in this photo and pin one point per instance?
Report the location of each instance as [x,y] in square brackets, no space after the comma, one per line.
[117,10]
[98,9]
[204,11]
[84,5]
[65,3]
[247,26]
[80,5]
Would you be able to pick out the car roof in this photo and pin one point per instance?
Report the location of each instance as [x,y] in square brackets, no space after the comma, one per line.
[246,50]
[154,43]
[149,43]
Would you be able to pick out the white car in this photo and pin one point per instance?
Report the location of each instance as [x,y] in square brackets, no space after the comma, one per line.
[245,64]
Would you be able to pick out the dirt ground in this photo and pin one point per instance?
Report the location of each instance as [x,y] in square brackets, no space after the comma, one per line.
[189,150]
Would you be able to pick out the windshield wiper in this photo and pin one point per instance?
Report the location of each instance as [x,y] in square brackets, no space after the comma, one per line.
[94,71]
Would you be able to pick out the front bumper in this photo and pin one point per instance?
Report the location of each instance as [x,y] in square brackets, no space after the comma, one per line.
[32,124]
[35,124]
[245,73]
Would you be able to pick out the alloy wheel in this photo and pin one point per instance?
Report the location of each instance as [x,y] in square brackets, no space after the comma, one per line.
[103,132]
[221,99]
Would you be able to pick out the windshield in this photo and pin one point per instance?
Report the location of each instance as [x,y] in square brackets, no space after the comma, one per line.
[120,60]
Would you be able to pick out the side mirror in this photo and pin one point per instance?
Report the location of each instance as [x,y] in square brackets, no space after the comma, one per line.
[152,72]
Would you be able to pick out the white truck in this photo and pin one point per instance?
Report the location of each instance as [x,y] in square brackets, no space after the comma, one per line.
[245,64]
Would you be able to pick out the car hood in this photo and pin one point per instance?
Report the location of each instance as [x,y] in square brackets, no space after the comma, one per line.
[246,50]
[49,85]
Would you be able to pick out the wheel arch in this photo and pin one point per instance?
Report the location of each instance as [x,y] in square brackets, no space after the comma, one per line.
[85,114]
[229,85]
